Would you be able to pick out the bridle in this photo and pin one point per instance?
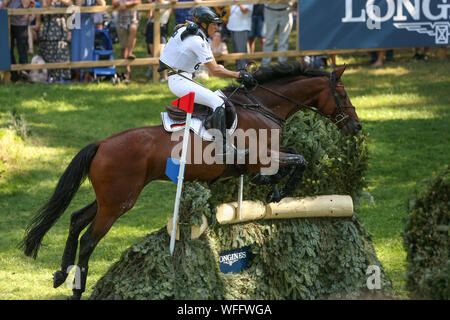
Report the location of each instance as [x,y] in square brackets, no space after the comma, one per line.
[337,117]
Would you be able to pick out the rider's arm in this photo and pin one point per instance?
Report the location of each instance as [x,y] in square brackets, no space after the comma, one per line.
[220,71]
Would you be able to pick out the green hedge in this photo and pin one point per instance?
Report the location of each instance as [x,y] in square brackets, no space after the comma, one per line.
[291,259]
[426,240]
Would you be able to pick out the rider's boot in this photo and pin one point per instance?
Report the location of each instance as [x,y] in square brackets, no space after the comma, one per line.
[217,120]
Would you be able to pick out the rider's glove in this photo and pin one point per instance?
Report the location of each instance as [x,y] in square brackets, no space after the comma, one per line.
[247,79]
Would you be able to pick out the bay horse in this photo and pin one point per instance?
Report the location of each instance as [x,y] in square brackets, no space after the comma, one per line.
[120,166]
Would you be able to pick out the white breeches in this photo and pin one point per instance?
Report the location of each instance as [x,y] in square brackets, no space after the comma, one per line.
[181,87]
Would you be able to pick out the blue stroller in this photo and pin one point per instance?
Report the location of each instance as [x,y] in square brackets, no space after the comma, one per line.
[103,50]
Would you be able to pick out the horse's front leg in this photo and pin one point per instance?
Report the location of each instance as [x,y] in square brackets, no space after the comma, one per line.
[260,179]
[299,164]
[290,162]
[283,170]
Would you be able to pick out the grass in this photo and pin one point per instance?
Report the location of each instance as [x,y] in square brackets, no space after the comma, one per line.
[404,108]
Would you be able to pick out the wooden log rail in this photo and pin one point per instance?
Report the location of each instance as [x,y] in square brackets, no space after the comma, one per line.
[330,206]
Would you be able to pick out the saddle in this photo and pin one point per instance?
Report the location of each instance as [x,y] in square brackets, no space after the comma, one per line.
[202,112]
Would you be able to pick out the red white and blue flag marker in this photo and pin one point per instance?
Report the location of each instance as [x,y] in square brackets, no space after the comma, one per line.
[185,103]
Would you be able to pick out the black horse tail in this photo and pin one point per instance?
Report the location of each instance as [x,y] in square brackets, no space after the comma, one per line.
[67,187]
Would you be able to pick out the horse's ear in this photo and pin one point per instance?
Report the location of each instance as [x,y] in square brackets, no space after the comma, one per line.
[340,71]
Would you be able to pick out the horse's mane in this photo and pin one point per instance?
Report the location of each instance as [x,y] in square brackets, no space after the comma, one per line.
[284,70]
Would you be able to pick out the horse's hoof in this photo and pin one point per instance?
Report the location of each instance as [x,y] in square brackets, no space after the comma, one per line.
[274,196]
[59,278]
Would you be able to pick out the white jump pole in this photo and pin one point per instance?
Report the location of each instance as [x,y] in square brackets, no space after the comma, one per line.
[180,181]
[241,191]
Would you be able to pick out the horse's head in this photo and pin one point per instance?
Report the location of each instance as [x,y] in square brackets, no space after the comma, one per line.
[334,102]
[289,87]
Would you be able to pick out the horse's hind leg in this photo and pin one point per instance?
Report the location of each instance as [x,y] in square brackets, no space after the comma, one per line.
[78,221]
[105,218]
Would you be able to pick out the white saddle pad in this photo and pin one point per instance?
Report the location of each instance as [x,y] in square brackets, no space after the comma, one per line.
[196,124]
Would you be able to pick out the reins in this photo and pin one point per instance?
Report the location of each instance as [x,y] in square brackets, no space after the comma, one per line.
[338,116]
[298,104]
[258,107]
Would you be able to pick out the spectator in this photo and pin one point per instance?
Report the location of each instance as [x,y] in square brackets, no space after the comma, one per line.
[53,39]
[257,27]
[18,32]
[379,60]
[218,47]
[183,15]
[316,61]
[224,13]
[98,20]
[109,22]
[377,57]
[164,19]
[421,55]
[278,18]
[333,61]
[83,38]
[32,31]
[127,25]
[240,25]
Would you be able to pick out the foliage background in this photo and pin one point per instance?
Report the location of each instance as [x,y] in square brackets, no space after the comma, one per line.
[426,239]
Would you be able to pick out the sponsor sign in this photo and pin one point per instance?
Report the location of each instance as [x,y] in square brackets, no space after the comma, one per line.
[235,260]
[360,24]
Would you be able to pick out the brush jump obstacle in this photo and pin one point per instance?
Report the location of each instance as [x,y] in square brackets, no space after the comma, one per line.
[283,258]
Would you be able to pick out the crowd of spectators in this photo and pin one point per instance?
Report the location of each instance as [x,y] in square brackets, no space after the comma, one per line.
[244,27]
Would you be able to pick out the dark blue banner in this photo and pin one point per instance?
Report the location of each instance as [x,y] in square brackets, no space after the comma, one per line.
[363,24]
[234,260]
[5,56]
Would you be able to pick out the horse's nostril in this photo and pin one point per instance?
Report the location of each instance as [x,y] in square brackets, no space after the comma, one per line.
[359,126]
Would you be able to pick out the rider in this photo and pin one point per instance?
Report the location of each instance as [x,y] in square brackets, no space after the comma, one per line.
[186,50]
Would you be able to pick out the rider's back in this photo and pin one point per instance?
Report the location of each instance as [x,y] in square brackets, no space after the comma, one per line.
[187,54]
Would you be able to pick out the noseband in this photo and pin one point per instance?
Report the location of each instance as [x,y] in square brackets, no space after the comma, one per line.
[339,113]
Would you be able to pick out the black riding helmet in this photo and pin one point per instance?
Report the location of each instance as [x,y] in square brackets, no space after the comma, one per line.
[206,15]
[202,14]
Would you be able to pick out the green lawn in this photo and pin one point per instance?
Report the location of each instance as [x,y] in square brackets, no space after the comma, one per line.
[404,108]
